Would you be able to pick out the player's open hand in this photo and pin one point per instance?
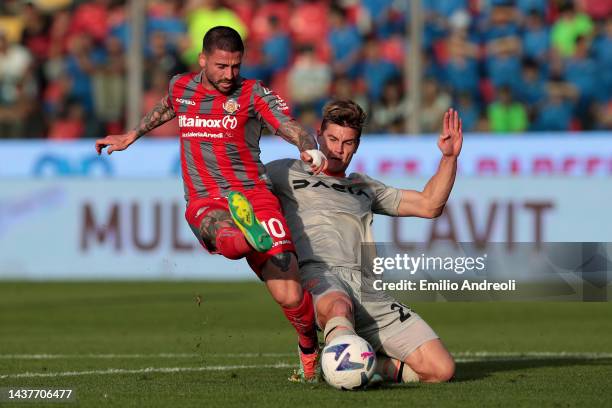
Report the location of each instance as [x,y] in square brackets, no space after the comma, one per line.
[451,138]
[316,159]
[115,142]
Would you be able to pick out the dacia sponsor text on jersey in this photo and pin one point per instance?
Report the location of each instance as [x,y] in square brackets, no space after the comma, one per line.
[303,183]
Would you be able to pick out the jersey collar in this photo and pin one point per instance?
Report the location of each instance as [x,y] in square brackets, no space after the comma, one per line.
[339,175]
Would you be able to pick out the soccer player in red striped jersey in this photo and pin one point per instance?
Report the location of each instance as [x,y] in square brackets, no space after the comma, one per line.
[230,206]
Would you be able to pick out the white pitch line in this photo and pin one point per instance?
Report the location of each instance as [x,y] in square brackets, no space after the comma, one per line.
[137,356]
[482,355]
[112,371]
[460,357]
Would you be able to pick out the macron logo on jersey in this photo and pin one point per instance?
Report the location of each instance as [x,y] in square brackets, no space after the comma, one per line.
[228,122]
[185,101]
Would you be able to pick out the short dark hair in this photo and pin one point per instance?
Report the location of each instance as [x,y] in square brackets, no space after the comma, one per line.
[343,112]
[222,38]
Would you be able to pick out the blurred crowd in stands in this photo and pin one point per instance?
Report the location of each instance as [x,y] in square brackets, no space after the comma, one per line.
[506,65]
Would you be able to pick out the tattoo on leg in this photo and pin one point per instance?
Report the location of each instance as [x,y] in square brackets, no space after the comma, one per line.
[211,224]
[282,261]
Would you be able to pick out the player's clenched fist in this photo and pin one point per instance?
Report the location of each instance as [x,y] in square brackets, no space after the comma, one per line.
[451,138]
[115,142]
[316,159]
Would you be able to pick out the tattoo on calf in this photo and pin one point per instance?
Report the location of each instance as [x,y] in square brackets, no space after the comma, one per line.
[282,261]
[211,224]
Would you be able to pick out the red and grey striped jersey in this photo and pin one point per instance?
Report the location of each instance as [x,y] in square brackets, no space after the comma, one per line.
[220,134]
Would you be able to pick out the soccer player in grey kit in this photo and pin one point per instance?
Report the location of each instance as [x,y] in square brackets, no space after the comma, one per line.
[330,216]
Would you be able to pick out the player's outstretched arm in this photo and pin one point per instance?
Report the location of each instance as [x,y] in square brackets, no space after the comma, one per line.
[431,201]
[160,114]
[292,132]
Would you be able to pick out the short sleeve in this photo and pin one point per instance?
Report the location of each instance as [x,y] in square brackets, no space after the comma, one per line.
[386,199]
[270,108]
[171,90]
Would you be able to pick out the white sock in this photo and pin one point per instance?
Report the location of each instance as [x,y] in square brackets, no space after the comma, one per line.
[338,326]
[393,370]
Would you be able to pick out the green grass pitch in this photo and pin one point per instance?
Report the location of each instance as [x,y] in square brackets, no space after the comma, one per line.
[152,345]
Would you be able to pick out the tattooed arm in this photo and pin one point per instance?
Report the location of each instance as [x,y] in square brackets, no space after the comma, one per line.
[160,114]
[292,132]
[295,134]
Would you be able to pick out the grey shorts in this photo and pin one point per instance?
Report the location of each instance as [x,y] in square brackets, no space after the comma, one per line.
[389,326]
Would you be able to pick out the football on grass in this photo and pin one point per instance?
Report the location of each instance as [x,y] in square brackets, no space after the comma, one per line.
[348,362]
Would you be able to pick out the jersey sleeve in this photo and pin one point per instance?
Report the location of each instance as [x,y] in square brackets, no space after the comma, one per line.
[270,108]
[171,97]
[386,199]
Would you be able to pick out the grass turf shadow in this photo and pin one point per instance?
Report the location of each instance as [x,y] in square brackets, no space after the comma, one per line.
[476,370]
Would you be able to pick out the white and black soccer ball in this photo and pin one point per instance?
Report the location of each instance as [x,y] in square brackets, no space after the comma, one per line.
[348,362]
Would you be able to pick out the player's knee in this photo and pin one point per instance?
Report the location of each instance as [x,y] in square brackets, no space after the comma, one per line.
[334,305]
[441,371]
[290,298]
[341,307]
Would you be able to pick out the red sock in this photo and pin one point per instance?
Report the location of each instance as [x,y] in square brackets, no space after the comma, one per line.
[303,319]
[231,243]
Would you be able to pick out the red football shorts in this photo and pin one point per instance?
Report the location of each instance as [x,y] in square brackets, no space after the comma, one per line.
[267,210]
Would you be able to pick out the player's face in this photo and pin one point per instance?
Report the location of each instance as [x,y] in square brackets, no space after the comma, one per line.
[338,144]
[221,69]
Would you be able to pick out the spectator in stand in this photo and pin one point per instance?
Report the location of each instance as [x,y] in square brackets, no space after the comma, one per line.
[536,37]
[91,18]
[385,17]
[569,26]
[69,125]
[506,114]
[603,115]
[531,88]
[435,102]
[375,70]
[468,111]
[156,91]
[35,32]
[461,69]
[80,64]
[309,80]
[16,91]
[557,110]
[162,56]
[527,7]
[309,119]
[55,95]
[201,16]
[109,87]
[503,45]
[344,87]
[602,48]
[345,41]
[276,49]
[164,18]
[581,71]
[391,108]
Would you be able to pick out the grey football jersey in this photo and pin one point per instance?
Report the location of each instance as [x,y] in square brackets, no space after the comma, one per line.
[329,217]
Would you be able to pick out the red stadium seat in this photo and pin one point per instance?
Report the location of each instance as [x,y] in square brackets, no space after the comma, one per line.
[309,23]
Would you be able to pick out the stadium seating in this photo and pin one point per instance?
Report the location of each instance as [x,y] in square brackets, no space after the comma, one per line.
[55,54]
